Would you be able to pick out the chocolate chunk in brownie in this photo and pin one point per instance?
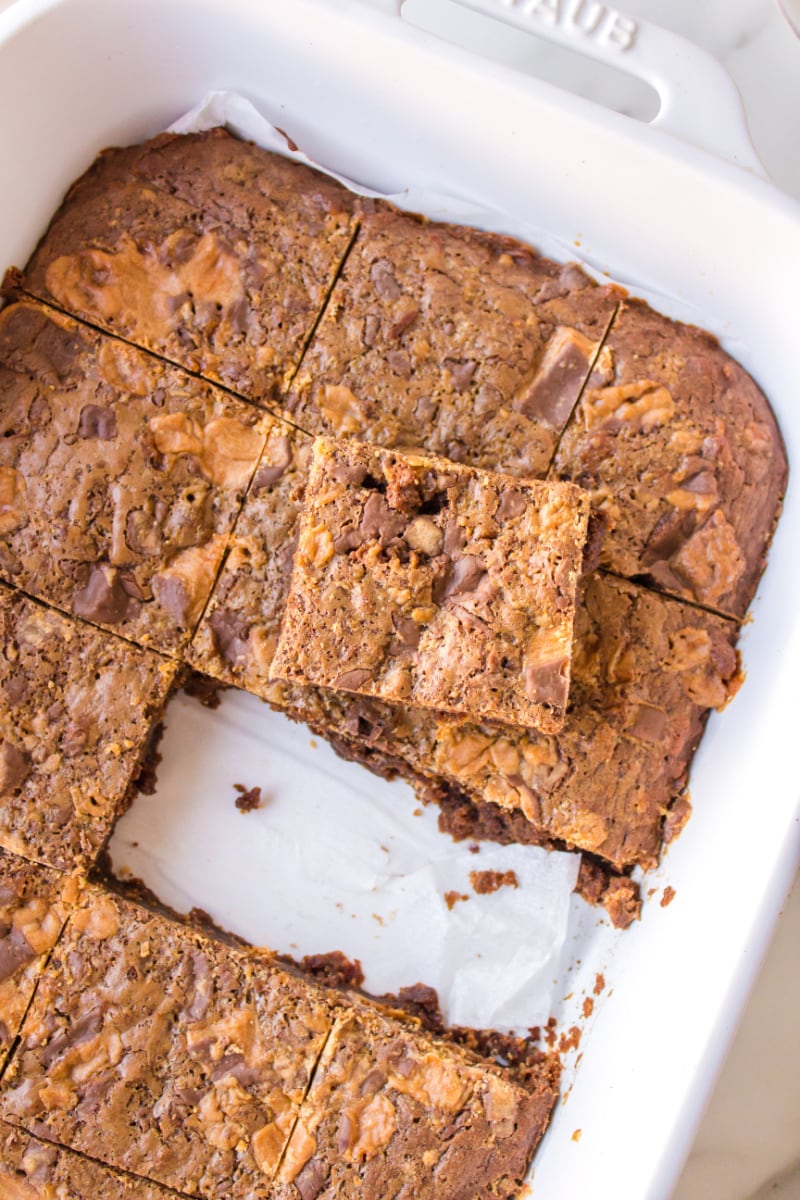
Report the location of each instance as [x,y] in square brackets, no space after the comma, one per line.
[391,1114]
[462,343]
[236,639]
[684,460]
[120,476]
[421,581]
[76,709]
[34,904]
[159,1051]
[646,671]
[35,1170]
[202,248]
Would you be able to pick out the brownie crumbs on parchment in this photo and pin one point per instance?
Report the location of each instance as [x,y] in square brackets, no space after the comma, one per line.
[247,799]
[486,882]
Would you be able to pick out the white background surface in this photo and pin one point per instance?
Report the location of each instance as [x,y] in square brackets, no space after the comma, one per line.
[749,1143]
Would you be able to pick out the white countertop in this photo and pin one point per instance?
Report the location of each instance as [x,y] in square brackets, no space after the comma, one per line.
[748,1144]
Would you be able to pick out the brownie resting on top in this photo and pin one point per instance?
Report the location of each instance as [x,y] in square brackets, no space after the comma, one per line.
[422,581]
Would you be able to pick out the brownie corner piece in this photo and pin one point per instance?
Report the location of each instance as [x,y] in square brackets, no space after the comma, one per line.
[121,476]
[202,248]
[161,1051]
[78,706]
[391,1113]
[422,581]
[682,454]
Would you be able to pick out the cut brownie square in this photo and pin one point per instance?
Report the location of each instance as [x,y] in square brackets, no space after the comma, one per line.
[156,1050]
[236,638]
[77,707]
[35,1170]
[466,344]
[419,580]
[390,1114]
[646,671]
[34,904]
[120,476]
[202,248]
[683,457]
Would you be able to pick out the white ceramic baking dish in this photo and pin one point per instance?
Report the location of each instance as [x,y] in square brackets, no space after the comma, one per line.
[373,97]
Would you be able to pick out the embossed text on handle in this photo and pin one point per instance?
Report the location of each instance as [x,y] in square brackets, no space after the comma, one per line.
[588,18]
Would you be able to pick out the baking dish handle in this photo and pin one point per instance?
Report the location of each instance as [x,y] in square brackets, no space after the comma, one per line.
[700,103]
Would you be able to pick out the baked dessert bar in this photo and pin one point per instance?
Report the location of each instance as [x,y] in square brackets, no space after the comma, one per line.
[425,582]
[35,1170]
[466,344]
[121,476]
[77,707]
[388,1115]
[236,638]
[646,671]
[683,458]
[34,904]
[158,1051]
[202,248]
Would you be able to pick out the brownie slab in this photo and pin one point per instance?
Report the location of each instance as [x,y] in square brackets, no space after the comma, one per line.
[681,453]
[465,344]
[422,581]
[120,476]
[35,1170]
[389,1116]
[76,710]
[236,638]
[34,904]
[158,1051]
[646,671]
[202,248]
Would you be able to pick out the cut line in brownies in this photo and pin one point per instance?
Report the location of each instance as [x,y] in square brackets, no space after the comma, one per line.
[198,312]
[421,581]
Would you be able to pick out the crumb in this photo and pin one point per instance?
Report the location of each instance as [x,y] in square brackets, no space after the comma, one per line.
[651,892]
[313,743]
[588,1006]
[417,812]
[667,896]
[576,1136]
[474,848]
[676,818]
[452,898]
[570,1040]
[377,917]
[485,882]
[618,894]
[599,983]
[248,798]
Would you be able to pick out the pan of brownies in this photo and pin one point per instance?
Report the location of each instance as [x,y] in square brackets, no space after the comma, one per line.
[490,516]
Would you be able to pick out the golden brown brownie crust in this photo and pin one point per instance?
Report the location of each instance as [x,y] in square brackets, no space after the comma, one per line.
[466,344]
[683,458]
[121,476]
[35,1170]
[433,584]
[202,248]
[158,1051]
[34,904]
[76,710]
